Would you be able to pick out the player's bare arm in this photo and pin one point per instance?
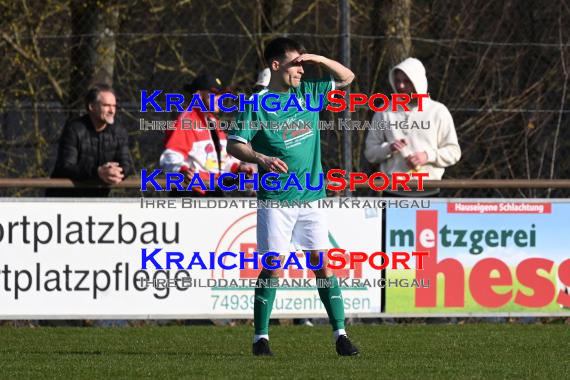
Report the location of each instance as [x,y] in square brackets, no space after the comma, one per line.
[343,75]
[245,153]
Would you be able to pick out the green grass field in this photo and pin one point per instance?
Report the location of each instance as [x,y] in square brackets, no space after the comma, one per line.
[473,351]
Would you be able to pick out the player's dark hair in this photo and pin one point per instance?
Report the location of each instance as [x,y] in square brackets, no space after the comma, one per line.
[94,91]
[278,48]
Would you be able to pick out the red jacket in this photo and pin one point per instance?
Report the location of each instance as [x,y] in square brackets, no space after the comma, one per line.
[195,148]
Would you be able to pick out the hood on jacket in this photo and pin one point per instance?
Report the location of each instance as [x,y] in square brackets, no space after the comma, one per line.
[415,70]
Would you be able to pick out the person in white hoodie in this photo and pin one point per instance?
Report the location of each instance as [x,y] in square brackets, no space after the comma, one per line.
[406,141]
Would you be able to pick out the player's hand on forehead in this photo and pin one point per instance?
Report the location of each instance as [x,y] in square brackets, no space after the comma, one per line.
[307,58]
[291,59]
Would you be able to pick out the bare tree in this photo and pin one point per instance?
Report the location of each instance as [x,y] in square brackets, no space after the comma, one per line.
[500,67]
[277,15]
[94,24]
[396,15]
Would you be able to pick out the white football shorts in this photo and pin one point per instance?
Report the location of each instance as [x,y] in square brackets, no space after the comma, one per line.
[281,229]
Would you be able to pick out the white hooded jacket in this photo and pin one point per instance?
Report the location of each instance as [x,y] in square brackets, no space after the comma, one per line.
[437,138]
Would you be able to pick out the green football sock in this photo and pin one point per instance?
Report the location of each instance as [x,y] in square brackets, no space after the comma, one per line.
[263,304]
[332,299]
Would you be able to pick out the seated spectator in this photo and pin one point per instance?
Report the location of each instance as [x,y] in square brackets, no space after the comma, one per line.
[92,147]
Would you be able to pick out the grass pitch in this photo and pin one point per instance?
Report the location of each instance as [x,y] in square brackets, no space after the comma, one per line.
[474,351]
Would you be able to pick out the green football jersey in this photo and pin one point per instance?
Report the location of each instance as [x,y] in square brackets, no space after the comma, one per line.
[292,136]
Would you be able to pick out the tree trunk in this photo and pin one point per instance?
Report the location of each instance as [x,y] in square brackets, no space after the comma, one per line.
[397,20]
[94,26]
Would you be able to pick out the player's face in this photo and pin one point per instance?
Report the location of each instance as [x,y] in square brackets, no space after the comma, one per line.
[403,84]
[291,71]
[105,107]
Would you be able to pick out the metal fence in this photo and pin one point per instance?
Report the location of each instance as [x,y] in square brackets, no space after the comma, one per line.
[502,68]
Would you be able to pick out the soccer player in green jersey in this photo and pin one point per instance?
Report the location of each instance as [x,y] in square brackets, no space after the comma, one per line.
[285,151]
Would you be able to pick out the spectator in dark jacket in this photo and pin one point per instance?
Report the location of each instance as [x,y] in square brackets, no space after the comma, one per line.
[93,148]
